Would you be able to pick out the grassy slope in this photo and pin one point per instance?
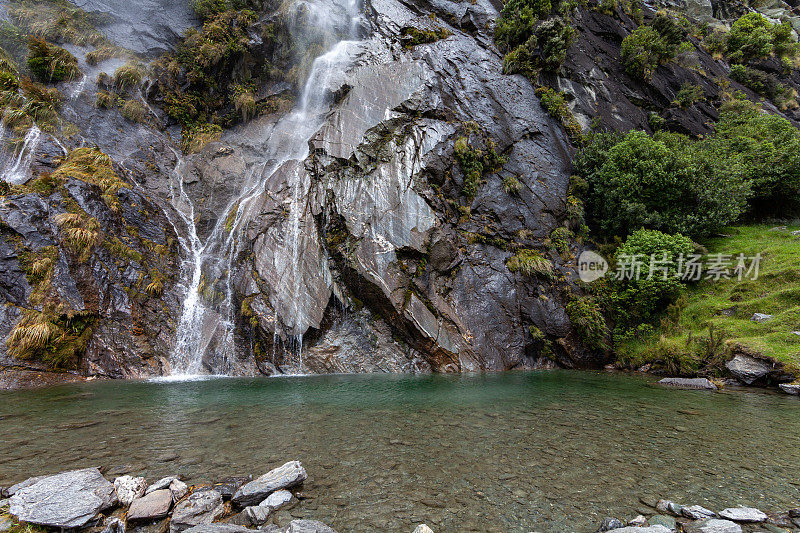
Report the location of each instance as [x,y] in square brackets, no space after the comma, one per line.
[686,347]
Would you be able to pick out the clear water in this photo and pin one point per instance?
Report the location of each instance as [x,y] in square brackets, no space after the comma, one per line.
[548,451]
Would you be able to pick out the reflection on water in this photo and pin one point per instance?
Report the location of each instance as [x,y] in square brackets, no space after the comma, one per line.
[552,451]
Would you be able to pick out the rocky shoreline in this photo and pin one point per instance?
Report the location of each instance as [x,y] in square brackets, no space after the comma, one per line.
[85,501]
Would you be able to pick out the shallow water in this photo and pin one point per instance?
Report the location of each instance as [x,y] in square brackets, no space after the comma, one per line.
[544,451]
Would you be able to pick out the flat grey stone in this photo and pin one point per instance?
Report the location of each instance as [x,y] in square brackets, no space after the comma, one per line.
[308,526]
[713,525]
[743,514]
[162,483]
[662,520]
[13,489]
[218,528]
[68,500]
[151,506]
[760,317]
[258,514]
[129,488]
[790,388]
[697,512]
[198,509]
[634,529]
[688,383]
[285,476]
[423,528]
[748,369]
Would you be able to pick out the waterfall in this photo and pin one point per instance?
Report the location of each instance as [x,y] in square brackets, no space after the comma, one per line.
[203,322]
[17,171]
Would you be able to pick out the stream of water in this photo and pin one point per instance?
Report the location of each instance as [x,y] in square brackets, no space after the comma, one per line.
[211,258]
[515,452]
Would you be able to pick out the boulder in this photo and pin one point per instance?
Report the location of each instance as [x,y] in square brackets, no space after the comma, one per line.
[423,528]
[129,488]
[66,500]
[688,383]
[283,477]
[637,521]
[713,525]
[760,317]
[790,388]
[743,514]
[307,526]
[697,512]
[200,508]
[228,487]
[748,369]
[151,506]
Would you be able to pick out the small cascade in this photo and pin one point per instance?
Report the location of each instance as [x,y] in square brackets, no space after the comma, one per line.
[205,330]
[18,169]
[78,89]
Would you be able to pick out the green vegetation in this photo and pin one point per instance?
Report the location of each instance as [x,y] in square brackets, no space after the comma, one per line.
[688,95]
[51,63]
[531,263]
[534,35]
[587,317]
[512,185]
[754,37]
[134,110]
[92,166]
[556,106]
[412,37]
[764,84]
[650,45]
[24,103]
[56,21]
[128,76]
[715,315]
[477,156]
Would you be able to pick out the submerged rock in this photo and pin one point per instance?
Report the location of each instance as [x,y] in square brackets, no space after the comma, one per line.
[67,500]
[634,529]
[200,508]
[307,526]
[129,488]
[743,514]
[154,505]
[218,528]
[688,383]
[285,476]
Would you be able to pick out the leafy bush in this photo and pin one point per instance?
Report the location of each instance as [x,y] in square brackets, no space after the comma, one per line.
[556,106]
[689,94]
[765,150]
[762,83]
[530,262]
[412,37]
[587,318]
[475,161]
[516,20]
[634,183]
[128,76]
[650,45]
[134,110]
[51,63]
[752,36]
[637,301]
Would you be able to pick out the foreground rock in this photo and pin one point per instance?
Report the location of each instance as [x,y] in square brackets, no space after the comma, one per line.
[67,500]
[200,508]
[697,512]
[151,506]
[790,388]
[307,526]
[688,383]
[129,488]
[748,369]
[713,525]
[283,477]
[743,514]
[634,529]
[258,514]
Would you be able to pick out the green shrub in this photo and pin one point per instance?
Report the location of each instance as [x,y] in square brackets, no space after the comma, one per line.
[762,83]
[556,106]
[634,183]
[689,94]
[561,238]
[531,263]
[512,185]
[765,150]
[207,9]
[650,45]
[517,19]
[587,318]
[104,100]
[51,63]
[134,110]
[128,76]
[752,36]
[412,37]
[475,161]
[632,301]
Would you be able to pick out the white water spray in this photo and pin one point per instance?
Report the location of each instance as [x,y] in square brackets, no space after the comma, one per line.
[18,170]
[204,320]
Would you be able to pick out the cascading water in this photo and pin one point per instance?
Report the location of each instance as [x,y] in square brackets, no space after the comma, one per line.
[17,168]
[206,321]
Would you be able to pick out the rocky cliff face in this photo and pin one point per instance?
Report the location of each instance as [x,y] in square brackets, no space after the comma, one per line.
[419,226]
